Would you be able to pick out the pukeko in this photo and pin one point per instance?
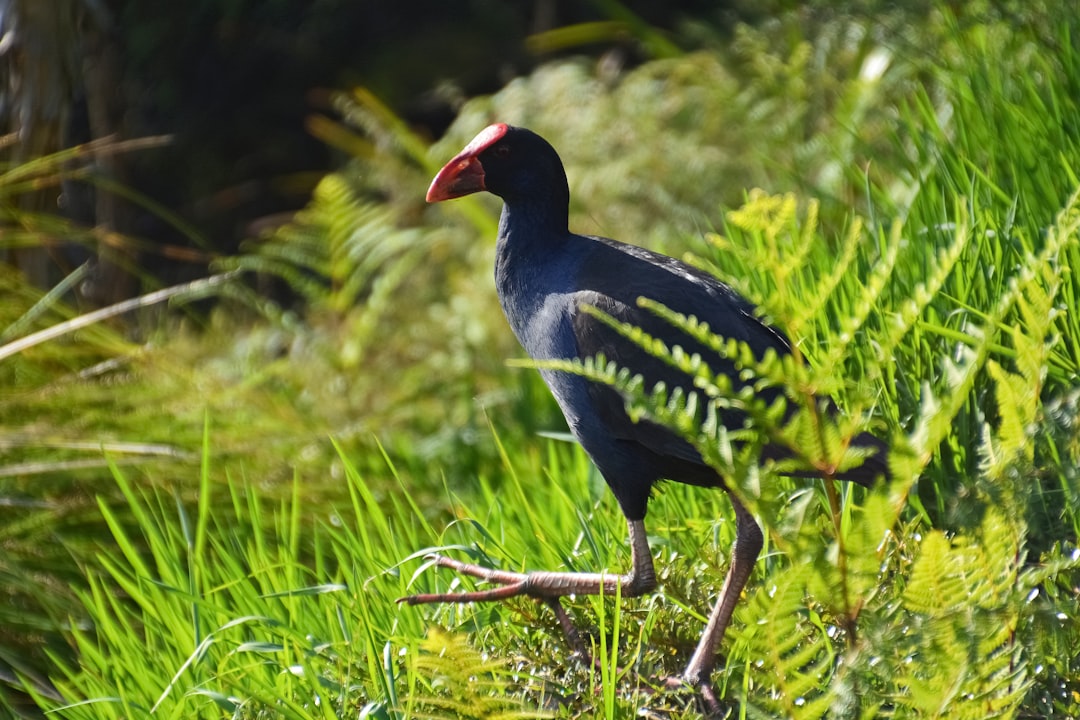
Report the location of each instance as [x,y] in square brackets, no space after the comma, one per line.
[545,275]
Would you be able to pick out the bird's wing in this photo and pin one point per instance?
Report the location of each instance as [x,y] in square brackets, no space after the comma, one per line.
[642,273]
[612,279]
[594,337]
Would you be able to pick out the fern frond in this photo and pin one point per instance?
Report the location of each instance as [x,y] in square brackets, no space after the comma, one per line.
[963,610]
[906,320]
[464,683]
[868,296]
[793,657]
[1033,292]
[341,251]
[933,588]
[823,288]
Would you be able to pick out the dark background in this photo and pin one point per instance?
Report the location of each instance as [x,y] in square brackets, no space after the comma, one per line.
[232,85]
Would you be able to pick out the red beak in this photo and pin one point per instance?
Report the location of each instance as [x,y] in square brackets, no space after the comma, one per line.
[464,174]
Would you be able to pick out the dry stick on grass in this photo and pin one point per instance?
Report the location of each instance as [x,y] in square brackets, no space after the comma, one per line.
[196,287]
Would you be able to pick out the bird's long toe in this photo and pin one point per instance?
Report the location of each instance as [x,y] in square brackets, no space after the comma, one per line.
[501,577]
[512,584]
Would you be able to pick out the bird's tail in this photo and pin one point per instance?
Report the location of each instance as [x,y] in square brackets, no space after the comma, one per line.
[874,466]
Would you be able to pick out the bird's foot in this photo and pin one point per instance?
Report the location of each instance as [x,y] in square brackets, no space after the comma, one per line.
[513,584]
[541,585]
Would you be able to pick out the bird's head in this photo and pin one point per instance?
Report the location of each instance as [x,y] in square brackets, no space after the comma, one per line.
[511,162]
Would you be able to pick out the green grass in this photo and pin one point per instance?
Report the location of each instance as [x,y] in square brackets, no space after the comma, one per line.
[217,522]
[260,608]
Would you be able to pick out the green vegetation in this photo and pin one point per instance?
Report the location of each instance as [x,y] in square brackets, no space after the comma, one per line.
[215,520]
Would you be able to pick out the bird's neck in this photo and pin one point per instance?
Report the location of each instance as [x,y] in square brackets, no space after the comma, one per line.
[534,258]
[534,225]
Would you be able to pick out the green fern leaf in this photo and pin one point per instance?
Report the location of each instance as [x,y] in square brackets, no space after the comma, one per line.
[963,658]
[793,658]
[463,683]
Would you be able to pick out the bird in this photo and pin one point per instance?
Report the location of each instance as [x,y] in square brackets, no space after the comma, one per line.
[551,282]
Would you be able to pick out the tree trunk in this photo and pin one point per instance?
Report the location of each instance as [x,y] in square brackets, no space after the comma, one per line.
[40,52]
[52,52]
[113,279]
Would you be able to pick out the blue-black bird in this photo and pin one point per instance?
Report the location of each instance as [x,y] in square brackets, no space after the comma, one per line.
[545,276]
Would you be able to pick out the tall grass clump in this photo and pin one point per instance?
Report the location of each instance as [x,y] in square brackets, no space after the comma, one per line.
[251,607]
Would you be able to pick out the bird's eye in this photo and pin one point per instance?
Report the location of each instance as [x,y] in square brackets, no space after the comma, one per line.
[501,151]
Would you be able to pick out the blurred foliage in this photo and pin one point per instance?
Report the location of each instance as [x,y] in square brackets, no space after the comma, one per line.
[231,84]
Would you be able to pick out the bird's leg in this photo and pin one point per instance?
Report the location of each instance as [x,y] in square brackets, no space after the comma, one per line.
[545,585]
[748,543]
